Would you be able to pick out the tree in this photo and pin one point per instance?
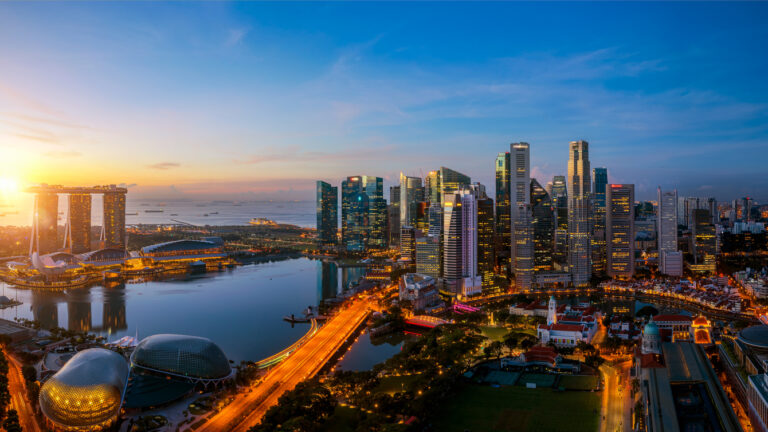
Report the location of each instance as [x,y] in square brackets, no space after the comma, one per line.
[527,343]
[11,422]
[29,373]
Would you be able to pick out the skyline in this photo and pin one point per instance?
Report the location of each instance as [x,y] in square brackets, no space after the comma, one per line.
[196,101]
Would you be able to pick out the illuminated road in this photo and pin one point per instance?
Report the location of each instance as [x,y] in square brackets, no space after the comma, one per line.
[615,394]
[248,408]
[18,396]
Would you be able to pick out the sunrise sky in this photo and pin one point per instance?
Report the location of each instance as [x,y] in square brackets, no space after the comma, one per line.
[259,100]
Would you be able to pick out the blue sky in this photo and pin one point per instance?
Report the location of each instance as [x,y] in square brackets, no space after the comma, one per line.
[258,100]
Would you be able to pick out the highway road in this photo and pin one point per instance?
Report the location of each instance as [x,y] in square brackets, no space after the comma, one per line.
[248,408]
[18,396]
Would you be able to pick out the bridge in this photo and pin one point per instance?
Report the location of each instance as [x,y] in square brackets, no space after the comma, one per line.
[426,321]
[282,355]
[461,308]
[248,407]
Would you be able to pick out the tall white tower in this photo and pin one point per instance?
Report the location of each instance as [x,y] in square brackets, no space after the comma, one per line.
[579,187]
[552,312]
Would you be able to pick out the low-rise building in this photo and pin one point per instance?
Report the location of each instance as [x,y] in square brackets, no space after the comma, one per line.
[420,290]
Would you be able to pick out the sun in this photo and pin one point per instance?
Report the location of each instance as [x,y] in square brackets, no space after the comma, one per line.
[8,186]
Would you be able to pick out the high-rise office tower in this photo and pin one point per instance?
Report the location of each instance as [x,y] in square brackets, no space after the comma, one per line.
[435,226]
[705,240]
[560,201]
[411,193]
[432,187]
[503,219]
[452,264]
[519,183]
[460,241]
[428,254]
[45,223]
[543,220]
[113,227]
[691,204]
[408,242]
[599,182]
[485,235]
[394,215]
[524,248]
[77,234]
[746,209]
[451,181]
[670,259]
[579,187]
[363,213]
[327,213]
[713,211]
[620,227]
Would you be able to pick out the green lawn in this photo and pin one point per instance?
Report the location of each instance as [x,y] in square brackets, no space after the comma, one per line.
[517,409]
[578,382]
[494,333]
[395,384]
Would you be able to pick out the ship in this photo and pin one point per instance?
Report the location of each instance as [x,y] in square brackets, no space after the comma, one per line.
[262,221]
[153,211]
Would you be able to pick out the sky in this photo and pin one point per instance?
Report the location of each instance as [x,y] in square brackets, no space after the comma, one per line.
[250,100]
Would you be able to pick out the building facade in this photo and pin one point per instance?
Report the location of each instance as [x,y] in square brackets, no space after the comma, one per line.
[620,235]
[327,213]
[599,251]
[579,230]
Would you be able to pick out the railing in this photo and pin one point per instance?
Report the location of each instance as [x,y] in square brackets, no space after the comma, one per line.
[282,355]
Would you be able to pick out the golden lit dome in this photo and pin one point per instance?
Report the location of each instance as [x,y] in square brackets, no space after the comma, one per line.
[86,394]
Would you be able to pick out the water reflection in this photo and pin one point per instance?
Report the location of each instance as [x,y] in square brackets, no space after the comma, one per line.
[333,280]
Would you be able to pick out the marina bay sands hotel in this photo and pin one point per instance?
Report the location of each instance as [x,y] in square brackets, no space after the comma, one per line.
[77,233]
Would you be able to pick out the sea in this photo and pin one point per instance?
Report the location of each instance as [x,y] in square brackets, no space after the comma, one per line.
[301,213]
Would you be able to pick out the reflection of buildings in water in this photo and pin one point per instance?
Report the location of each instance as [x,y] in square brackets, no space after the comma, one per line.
[45,308]
[327,280]
[349,275]
[114,308]
[79,310]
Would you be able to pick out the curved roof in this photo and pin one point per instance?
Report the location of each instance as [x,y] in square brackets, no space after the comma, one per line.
[651,329]
[104,254]
[756,335]
[189,356]
[87,392]
[179,245]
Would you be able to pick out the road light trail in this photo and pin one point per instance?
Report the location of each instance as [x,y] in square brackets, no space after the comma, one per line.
[248,408]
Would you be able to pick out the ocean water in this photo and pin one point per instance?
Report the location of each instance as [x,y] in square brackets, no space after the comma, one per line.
[301,213]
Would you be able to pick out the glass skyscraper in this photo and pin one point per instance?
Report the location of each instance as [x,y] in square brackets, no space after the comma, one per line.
[599,182]
[620,227]
[579,230]
[543,227]
[327,213]
[503,221]
[363,213]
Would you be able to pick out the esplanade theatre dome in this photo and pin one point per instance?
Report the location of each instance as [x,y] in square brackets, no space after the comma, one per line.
[188,356]
[86,394]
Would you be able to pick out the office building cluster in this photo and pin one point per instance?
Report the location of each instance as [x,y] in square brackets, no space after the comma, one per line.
[552,235]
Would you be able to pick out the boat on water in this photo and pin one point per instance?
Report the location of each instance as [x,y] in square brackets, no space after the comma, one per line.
[153,211]
[213,213]
[174,214]
[132,214]
[262,221]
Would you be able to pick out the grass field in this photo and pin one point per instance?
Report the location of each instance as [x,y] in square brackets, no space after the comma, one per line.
[494,333]
[578,382]
[394,384]
[517,409]
[541,380]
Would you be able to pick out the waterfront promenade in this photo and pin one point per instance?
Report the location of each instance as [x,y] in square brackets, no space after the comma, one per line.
[249,407]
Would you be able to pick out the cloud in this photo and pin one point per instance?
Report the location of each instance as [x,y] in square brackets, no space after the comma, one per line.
[63,154]
[50,139]
[164,165]
[236,36]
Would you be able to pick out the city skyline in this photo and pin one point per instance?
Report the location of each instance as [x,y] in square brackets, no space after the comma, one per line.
[214,100]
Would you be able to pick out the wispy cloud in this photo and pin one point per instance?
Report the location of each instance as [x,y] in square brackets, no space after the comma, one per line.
[235,36]
[63,154]
[164,165]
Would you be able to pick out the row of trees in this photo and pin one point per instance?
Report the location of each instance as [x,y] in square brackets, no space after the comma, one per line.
[11,422]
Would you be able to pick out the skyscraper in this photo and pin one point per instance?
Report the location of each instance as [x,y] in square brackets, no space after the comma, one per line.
[363,213]
[428,254]
[411,193]
[519,184]
[485,235]
[432,187]
[452,264]
[45,223]
[579,186]
[451,181]
[600,180]
[620,235]
[670,259]
[705,240]
[524,246]
[113,228]
[543,220]
[408,242]
[460,241]
[327,213]
[78,230]
[503,220]
[560,201]
[393,212]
